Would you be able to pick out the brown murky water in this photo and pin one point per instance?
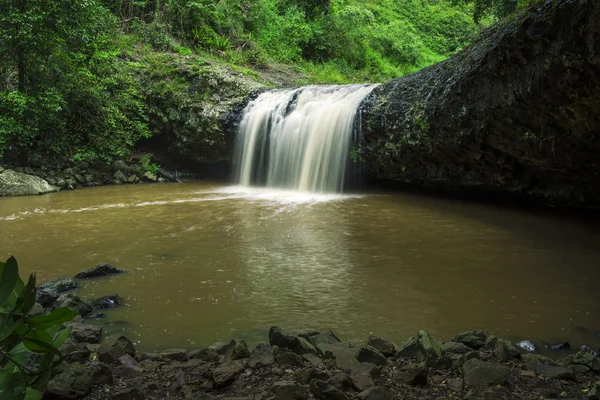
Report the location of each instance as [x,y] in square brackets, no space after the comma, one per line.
[208,262]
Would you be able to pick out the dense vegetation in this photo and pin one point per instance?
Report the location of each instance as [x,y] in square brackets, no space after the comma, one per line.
[69,86]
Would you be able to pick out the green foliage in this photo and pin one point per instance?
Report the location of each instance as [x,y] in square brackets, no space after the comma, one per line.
[21,334]
[495,8]
[146,164]
[63,89]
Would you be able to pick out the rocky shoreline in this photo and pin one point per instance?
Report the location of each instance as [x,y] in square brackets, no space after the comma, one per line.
[310,365]
[40,177]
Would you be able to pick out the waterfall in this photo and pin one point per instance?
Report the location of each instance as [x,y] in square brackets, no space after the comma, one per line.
[299,138]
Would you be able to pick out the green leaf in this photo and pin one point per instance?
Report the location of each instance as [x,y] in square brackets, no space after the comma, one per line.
[32,394]
[56,317]
[60,339]
[26,299]
[8,280]
[39,341]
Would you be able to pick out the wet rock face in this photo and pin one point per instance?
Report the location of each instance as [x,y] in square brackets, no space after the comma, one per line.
[14,183]
[514,114]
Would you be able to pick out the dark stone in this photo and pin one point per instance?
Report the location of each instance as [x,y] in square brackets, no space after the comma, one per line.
[308,374]
[72,383]
[72,351]
[323,338]
[86,333]
[100,374]
[277,337]
[324,391]
[429,348]
[73,302]
[340,381]
[95,315]
[386,348]
[498,148]
[455,348]
[225,374]
[455,384]
[287,357]
[312,359]
[175,354]
[504,350]
[563,346]
[133,393]
[114,347]
[410,348]
[238,351]
[208,355]
[374,393]
[587,359]
[291,391]
[551,371]
[261,356]
[50,291]
[98,271]
[474,339]
[362,376]
[368,354]
[222,348]
[341,355]
[106,302]
[301,346]
[482,373]
[413,374]
[532,360]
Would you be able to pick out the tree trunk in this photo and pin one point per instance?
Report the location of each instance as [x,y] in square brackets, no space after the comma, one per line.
[514,114]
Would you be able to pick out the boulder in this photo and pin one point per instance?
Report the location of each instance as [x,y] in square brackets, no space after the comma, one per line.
[86,333]
[72,351]
[362,376]
[413,374]
[238,351]
[323,338]
[208,355]
[287,357]
[532,360]
[110,301]
[14,183]
[277,337]
[368,354]
[308,374]
[225,374]
[74,382]
[150,177]
[132,178]
[386,348]
[429,348]
[50,291]
[175,355]
[222,348]
[587,359]
[114,347]
[261,356]
[312,359]
[291,391]
[410,348]
[455,384]
[300,345]
[341,355]
[98,271]
[341,381]
[551,371]
[100,374]
[503,350]
[374,393]
[324,391]
[474,339]
[73,302]
[482,373]
[120,176]
[455,348]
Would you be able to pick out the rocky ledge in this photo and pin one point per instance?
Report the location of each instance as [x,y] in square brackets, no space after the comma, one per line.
[317,365]
[45,177]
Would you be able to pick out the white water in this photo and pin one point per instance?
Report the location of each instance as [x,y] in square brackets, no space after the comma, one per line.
[298,139]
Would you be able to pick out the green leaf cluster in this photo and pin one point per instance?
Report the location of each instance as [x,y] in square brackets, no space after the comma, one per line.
[21,334]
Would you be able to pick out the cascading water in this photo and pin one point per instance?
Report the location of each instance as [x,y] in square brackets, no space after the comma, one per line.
[298,139]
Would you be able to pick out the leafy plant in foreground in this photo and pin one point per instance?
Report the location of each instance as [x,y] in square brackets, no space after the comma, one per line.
[22,334]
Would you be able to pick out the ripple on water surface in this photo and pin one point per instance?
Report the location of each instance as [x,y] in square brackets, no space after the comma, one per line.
[208,262]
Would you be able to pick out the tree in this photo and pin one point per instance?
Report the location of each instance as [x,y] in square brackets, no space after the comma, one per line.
[496,8]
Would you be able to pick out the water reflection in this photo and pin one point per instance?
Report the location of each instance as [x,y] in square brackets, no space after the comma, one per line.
[207,263]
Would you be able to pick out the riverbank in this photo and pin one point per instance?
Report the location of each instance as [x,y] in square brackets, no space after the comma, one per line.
[472,365]
[45,176]
[319,365]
